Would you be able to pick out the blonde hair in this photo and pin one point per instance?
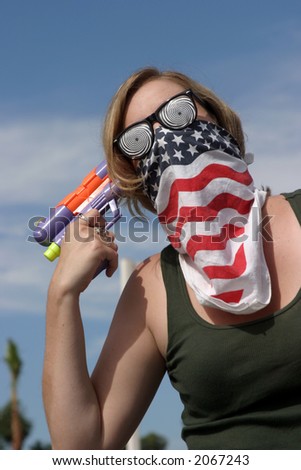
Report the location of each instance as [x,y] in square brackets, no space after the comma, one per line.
[121,169]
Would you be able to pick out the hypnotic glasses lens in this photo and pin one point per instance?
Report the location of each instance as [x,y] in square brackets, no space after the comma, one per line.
[177,113]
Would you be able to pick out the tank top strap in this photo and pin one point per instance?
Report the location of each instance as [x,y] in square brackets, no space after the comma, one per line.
[175,289]
[294,199]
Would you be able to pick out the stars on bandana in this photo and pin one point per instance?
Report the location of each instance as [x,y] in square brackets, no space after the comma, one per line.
[178,140]
[165,158]
[178,155]
[162,143]
[182,147]
[192,149]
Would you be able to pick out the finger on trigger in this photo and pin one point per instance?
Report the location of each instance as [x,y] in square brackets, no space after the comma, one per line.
[95,218]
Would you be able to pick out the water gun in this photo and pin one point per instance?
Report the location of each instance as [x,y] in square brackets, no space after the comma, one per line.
[96,191]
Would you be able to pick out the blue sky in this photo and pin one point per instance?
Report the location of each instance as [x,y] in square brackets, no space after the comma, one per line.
[61,61]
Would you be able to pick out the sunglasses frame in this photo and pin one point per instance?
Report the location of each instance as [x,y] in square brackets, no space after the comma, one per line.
[154,117]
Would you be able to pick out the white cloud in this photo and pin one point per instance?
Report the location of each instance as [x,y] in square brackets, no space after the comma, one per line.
[44,160]
[272,126]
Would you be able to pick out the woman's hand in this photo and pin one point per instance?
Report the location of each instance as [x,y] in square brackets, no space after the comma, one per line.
[83,250]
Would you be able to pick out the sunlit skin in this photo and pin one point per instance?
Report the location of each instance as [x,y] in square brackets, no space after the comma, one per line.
[102,412]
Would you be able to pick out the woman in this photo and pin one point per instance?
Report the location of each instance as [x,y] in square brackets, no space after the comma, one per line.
[219,308]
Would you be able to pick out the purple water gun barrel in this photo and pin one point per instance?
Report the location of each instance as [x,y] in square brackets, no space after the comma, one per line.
[60,216]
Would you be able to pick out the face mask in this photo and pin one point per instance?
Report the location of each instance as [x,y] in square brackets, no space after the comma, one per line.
[207,204]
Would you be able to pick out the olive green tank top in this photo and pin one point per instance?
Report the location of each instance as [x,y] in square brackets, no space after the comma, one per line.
[240,385]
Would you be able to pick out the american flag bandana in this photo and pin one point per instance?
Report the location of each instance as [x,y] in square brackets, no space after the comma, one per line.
[207,204]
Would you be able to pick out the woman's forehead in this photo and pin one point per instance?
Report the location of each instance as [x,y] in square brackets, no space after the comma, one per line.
[149,97]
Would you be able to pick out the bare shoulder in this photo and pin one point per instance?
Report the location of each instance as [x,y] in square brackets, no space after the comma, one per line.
[282,218]
[282,247]
[145,292]
[278,203]
[150,269]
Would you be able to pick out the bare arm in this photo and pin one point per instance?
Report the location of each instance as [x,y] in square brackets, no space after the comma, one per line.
[102,412]
[69,398]
[130,367]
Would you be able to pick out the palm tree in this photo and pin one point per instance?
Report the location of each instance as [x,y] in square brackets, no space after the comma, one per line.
[6,437]
[13,360]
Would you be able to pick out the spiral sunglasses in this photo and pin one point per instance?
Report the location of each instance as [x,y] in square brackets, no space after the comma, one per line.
[178,112]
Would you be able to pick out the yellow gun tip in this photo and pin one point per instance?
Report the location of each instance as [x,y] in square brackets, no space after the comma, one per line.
[52,252]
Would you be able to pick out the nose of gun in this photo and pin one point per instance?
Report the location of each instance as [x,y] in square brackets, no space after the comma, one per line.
[48,228]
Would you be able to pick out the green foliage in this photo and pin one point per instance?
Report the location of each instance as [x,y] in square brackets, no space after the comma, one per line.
[153,441]
[5,424]
[12,359]
[39,445]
